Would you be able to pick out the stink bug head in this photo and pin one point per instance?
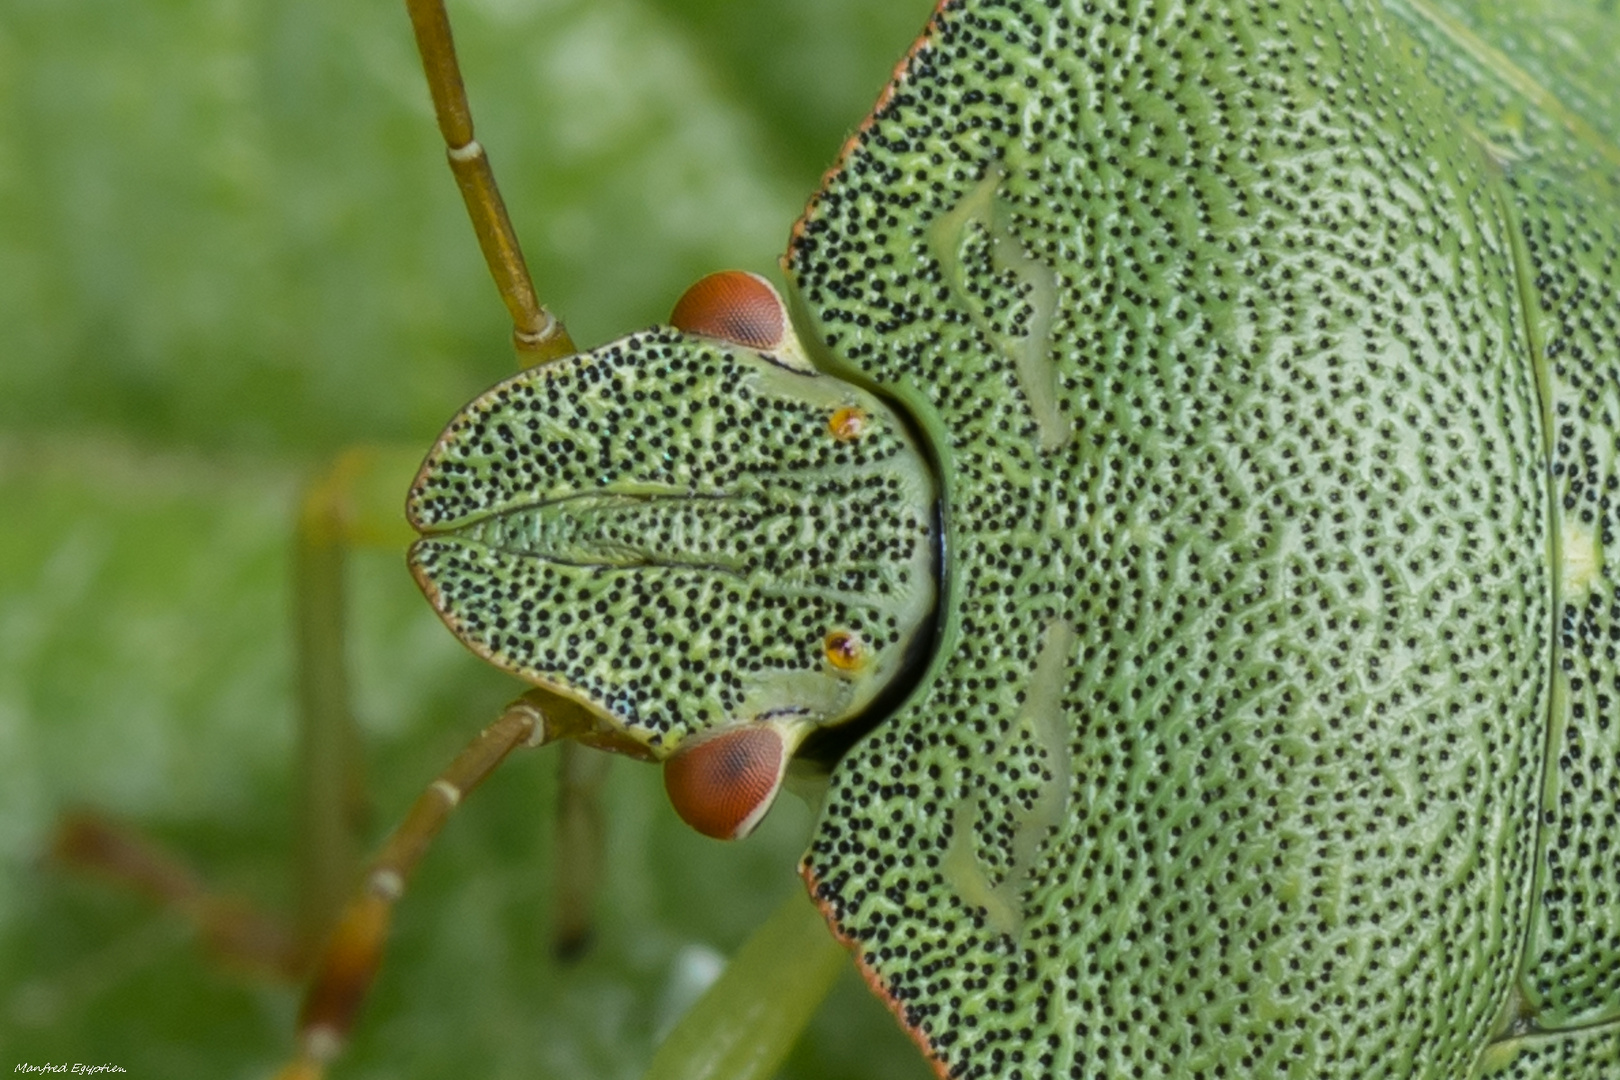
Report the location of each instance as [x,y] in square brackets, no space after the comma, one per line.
[682,534]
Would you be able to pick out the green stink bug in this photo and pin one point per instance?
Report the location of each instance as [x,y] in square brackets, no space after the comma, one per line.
[971,929]
[1265,406]
[1247,741]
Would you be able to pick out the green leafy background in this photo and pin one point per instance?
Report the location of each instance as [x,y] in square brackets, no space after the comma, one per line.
[229,248]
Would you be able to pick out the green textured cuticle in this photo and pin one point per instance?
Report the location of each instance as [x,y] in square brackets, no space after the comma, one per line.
[1313,450]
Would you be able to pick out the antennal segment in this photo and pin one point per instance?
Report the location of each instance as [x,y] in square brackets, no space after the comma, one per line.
[537,334]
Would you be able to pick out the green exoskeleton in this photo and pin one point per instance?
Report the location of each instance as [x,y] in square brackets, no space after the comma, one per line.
[1182,471]
[1266,377]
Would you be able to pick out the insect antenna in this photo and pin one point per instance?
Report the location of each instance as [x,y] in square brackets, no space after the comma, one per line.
[537,334]
[348,964]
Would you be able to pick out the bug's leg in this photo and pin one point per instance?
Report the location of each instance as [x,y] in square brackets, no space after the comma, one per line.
[351,503]
[537,334]
[578,868]
[331,798]
[348,963]
[744,1025]
[232,930]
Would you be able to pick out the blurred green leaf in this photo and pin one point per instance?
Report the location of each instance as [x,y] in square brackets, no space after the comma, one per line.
[229,247]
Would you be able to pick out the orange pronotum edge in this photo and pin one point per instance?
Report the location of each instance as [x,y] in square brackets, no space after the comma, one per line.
[719,785]
[735,306]
[874,981]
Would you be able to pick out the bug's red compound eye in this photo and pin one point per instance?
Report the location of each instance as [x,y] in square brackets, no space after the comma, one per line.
[847,423]
[735,306]
[722,786]
[845,650]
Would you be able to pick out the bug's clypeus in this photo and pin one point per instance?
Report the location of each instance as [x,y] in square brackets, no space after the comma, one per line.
[1263,355]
